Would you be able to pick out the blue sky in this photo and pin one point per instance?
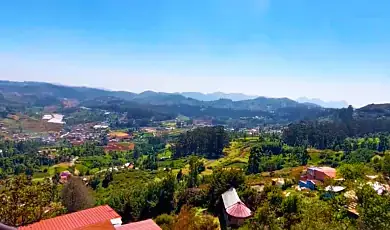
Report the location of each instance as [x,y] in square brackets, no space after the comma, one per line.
[330,49]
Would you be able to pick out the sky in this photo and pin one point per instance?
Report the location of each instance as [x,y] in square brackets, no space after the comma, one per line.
[333,50]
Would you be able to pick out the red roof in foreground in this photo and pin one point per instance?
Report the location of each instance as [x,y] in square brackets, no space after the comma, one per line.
[141,225]
[106,225]
[239,210]
[75,220]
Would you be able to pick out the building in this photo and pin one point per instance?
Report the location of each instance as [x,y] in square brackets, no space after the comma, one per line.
[140,225]
[78,220]
[100,127]
[102,218]
[315,176]
[54,118]
[320,173]
[202,123]
[235,211]
[47,117]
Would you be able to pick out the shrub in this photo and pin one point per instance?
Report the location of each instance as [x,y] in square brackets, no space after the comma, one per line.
[165,221]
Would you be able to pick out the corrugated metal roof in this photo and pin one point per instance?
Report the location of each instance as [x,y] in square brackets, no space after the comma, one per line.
[234,206]
[239,210]
[75,220]
[230,198]
[105,225]
[141,225]
[334,188]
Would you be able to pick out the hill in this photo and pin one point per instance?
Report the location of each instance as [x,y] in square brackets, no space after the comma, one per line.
[374,111]
[57,92]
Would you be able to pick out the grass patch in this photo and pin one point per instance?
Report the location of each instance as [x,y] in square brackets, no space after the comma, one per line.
[173,163]
[235,156]
[167,153]
[38,175]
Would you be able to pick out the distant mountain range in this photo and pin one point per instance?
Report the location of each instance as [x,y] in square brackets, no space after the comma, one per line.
[234,101]
[217,95]
[325,104]
[18,96]
[215,100]
[240,97]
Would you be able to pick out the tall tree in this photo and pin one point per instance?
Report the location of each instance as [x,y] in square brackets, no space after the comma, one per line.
[373,209]
[75,195]
[23,201]
[383,143]
[221,181]
[206,141]
[193,177]
[302,155]
[386,164]
[254,160]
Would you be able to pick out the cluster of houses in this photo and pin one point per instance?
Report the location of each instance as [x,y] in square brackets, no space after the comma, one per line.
[317,175]
[83,132]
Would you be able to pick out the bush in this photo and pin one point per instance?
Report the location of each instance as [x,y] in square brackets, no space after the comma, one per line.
[93,171]
[194,197]
[288,183]
[354,171]
[165,221]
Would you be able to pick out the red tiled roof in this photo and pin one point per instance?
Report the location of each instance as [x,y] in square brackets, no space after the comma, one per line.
[239,210]
[75,220]
[105,225]
[141,225]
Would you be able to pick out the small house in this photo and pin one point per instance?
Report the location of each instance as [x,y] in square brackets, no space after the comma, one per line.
[321,173]
[234,210]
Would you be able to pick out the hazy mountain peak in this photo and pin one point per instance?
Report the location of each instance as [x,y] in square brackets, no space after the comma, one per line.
[325,104]
[217,95]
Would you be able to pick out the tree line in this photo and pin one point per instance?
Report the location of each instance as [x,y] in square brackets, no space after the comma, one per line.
[329,134]
[208,142]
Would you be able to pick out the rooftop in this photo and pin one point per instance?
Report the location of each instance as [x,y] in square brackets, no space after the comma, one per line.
[75,220]
[323,169]
[234,206]
[334,188]
[141,225]
[239,210]
[230,197]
